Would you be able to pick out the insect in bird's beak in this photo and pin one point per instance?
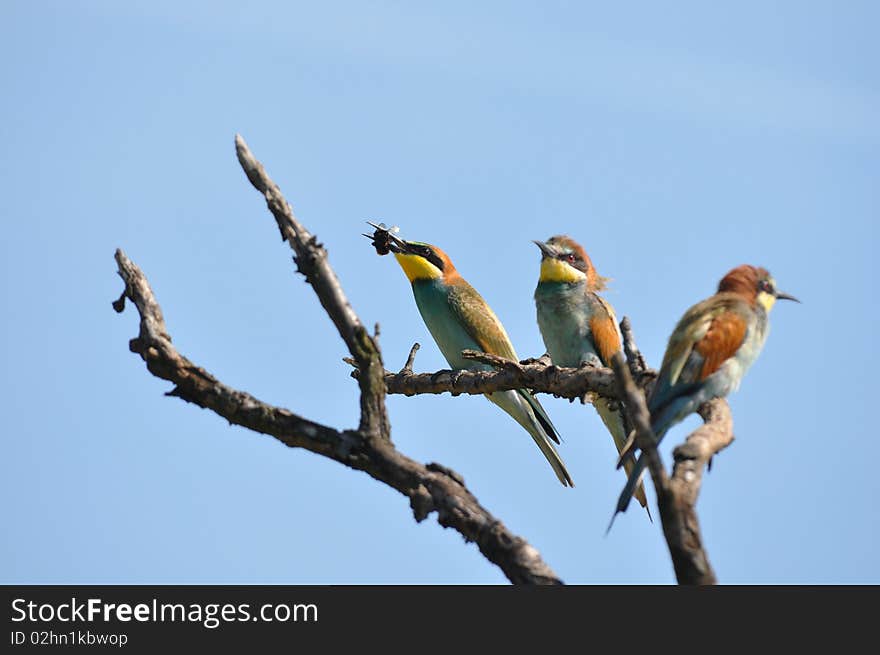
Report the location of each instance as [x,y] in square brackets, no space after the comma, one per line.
[383,239]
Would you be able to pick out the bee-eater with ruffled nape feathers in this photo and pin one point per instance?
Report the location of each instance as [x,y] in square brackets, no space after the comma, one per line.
[711,348]
[578,325]
[458,319]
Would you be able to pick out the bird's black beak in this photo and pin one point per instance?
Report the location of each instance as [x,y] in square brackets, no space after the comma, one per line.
[546,250]
[785,296]
[401,246]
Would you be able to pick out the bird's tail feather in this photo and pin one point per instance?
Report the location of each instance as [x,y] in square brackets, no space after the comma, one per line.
[613,420]
[527,411]
[631,483]
[541,416]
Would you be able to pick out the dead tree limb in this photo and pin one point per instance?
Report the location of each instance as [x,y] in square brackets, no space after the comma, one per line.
[310,258]
[677,495]
[430,488]
[683,529]
[539,376]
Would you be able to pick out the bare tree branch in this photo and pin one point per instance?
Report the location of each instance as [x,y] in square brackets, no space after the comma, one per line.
[195,385]
[640,418]
[634,357]
[682,530]
[537,375]
[411,358]
[677,496]
[311,260]
[429,487]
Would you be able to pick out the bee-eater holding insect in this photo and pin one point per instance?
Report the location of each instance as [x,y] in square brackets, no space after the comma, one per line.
[578,325]
[458,319]
[710,349]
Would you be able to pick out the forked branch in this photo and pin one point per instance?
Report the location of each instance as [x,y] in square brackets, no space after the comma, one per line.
[429,488]
[677,495]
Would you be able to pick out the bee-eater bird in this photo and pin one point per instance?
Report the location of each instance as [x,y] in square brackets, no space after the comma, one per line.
[709,351]
[458,319]
[578,325]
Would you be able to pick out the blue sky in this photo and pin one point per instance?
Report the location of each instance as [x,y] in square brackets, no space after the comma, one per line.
[674,142]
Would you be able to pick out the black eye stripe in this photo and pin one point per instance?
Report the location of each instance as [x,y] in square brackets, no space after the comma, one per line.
[573,259]
[428,254]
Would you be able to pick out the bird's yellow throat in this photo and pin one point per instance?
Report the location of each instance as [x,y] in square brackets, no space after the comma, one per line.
[766,300]
[554,270]
[417,268]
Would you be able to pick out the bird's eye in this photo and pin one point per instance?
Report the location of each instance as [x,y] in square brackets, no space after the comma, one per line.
[570,258]
[766,286]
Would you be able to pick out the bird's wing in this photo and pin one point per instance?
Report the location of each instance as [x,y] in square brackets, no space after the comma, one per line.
[479,321]
[707,335]
[604,331]
[725,335]
[481,324]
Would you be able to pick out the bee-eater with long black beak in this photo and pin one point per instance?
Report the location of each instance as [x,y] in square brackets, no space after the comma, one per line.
[578,325]
[458,319]
[710,349]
